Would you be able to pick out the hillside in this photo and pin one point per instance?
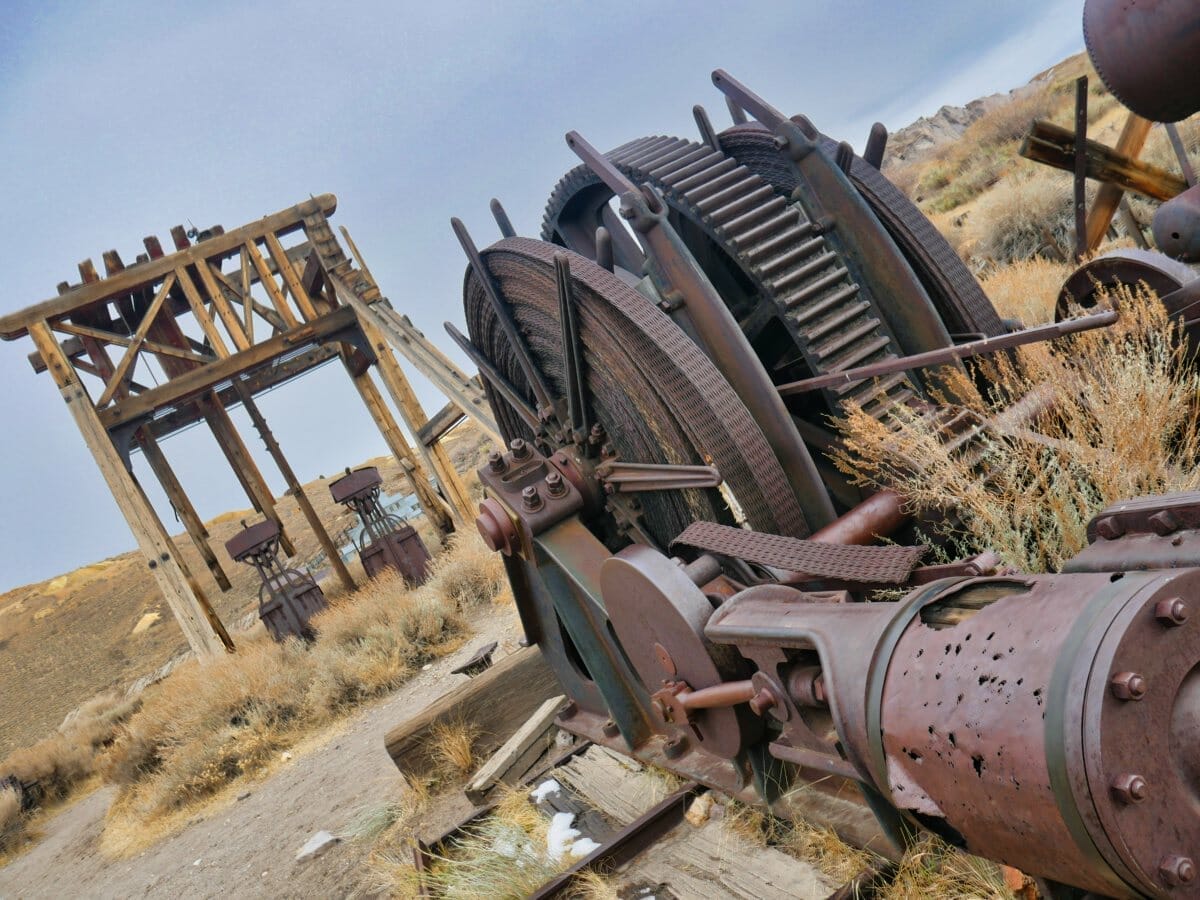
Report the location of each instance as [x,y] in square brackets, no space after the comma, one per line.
[104,625]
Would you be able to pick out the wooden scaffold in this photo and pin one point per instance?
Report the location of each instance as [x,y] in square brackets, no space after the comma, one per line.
[227,318]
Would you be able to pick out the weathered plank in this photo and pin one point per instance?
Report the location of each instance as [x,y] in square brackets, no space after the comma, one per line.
[496,702]
[504,762]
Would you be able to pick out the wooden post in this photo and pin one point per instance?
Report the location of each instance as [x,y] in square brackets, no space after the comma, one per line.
[435,508]
[181,503]
[196,618]
[1130,143]
[294,486]
[243,464]
[435,456]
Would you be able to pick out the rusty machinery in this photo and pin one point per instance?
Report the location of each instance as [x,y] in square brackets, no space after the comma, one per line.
[287,598]
[663,367]
[387,540]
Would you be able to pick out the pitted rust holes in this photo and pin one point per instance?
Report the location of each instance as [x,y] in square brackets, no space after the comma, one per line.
[957,649]
[920,652]
[947,650]
[978,763]
[953,739]
[937,676]
[914,756]
[960,699]
[1116,576]
[996,656]
[989,637]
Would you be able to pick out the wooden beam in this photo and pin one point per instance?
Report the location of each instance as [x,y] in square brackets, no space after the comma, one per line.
[191,608]
[247,300]
[437,510]
[496,701]
[1129,145]
[278,300]
[516,754]
[441,423]
[14,324]
[1054,146]
[124,367]
[197,381]
[181,503]
[150,346]
[233,324]
[253,307]
[290,278]
[200,311]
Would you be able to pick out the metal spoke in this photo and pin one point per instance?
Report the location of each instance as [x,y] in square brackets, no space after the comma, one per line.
[502,220]
[604,248]
[504,315]
[506,389]
[577,420]
[737,95]
[876,145]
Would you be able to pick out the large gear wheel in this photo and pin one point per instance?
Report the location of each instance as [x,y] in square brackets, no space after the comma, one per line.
[657,396]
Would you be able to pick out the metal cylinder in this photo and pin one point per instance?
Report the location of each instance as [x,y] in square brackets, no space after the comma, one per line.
[1146,53]
[1177,226]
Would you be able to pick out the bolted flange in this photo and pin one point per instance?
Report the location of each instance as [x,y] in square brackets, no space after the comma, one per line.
[1128,686]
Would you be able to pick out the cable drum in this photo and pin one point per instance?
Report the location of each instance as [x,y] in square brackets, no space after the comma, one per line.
[656,394]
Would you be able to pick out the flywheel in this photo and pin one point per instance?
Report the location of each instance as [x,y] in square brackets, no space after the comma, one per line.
[654,394]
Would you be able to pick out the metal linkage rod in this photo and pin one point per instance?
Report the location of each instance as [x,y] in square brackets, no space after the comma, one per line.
[622,477]
[953,354]
[502,221]
[504,315]
[577,417]
[506,388]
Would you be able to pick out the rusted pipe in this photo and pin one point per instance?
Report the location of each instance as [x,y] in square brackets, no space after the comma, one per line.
[728,693]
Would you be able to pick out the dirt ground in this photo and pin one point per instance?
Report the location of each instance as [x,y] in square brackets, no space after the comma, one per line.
[248,847]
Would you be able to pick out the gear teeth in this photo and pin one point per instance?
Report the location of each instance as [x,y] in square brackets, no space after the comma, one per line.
[834,324]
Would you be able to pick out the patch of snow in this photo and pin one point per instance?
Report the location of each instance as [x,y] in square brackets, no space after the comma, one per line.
[544,790]
[560,835]
[316,845]
[584,846]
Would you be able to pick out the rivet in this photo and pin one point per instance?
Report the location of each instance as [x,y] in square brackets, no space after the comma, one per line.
[1110,528]
[1171,612]
[1128,686]
[675,747]
[1129,788]
[531,499]
[1177,870]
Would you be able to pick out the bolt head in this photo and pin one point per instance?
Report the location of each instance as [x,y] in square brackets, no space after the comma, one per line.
[675,747]
[531,499]
[1164,522]
[555,486]
[1128,686]
[1176,870]
[610,729]
[1129,788]
[1171,612]
[764,700]
[520,449]
[1110,528]
[495,461]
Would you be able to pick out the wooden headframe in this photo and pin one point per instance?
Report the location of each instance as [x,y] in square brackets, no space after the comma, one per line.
[222,319]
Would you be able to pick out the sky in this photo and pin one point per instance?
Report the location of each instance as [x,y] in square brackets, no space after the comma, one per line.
[119,120]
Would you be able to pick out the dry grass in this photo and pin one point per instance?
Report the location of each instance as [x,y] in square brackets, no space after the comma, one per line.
[1030,213]
[1026,290]
[934,869]
[453,748]
[61,763]
[207,726]
[1124,423]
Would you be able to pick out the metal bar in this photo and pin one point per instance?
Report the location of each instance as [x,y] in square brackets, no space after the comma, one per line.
[1081,111]
[952,354]
[604,248]
[504,315]
[507,390]
[737,94]
[708,134]
[629,842]
[623,477]
[502,221]
[1185,164]
[876,146]
[577,419]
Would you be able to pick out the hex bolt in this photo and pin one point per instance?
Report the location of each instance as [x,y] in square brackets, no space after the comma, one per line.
[1164,522]
[555,486]
[495,461]
[610,729]
[596,436]
[569,711]
[1110,528]
[520,449]
[531,499]
[1128,686]
[1129,788]
[1176,870]
[676,747]
[1171,612]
